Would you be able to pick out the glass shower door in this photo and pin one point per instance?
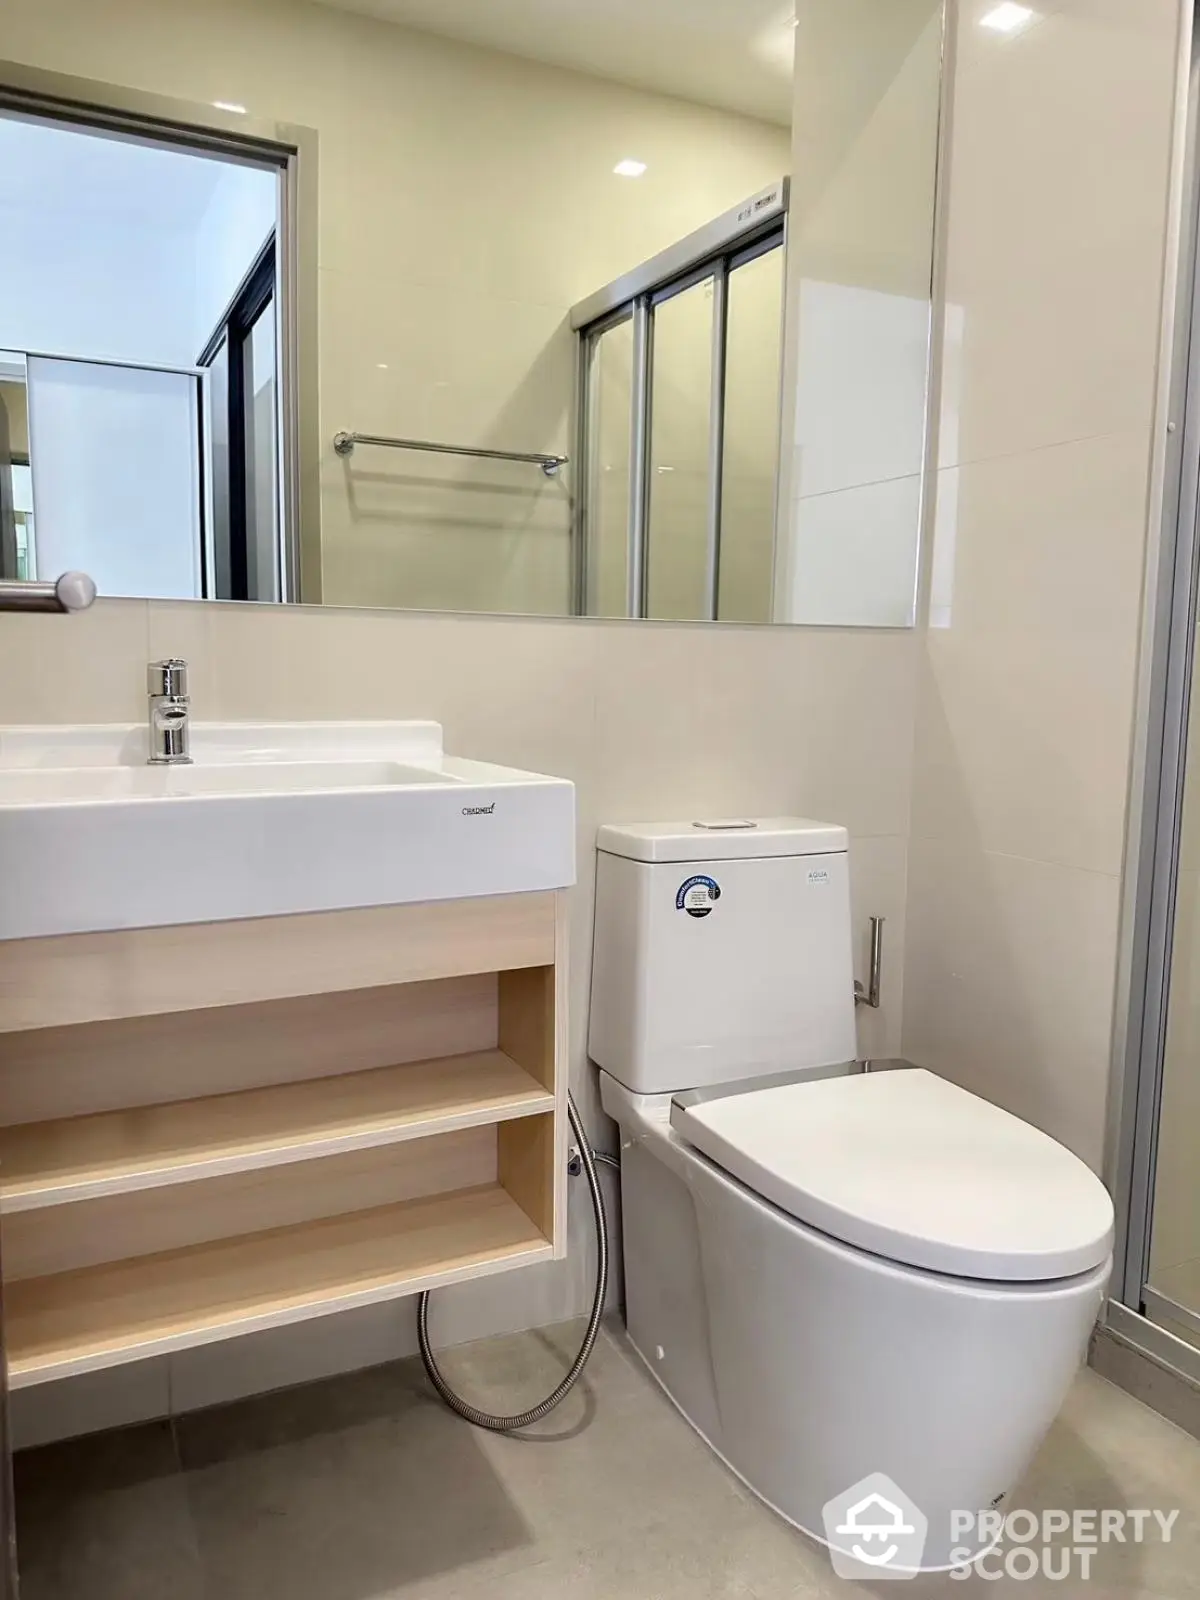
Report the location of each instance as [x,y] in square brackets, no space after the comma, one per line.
[1171,1296]
[680,485]
[1150,1338]
[117,475]
[609,402]
[750,474]
[680,399]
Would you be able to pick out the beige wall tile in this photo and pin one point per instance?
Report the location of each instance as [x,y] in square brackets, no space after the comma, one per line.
[1025,712]
[754,720]
[1008,984]
[1057,210]
[496,682]
[1055,223]
[90,667]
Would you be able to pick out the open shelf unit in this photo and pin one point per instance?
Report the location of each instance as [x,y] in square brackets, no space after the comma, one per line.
[370,1104]
[117,1152]
[76,1322]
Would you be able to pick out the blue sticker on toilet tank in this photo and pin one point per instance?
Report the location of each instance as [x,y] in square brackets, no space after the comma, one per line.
[697,896]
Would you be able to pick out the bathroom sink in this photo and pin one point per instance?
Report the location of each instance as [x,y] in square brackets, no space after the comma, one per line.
[267,820]
[67,785]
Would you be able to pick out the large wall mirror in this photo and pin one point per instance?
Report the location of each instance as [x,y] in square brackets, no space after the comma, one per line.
[617,310]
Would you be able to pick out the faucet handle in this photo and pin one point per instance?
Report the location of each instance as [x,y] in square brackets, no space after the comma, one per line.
[168,678]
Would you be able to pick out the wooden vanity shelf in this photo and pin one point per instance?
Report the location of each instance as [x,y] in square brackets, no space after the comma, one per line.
[214,1129]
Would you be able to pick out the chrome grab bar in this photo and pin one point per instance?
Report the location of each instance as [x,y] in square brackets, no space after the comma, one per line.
[344,444]
[74,591]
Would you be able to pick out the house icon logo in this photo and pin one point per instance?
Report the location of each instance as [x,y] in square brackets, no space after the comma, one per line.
[874,1530]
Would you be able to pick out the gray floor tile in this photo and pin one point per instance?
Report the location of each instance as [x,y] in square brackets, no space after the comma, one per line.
[366,1488]
[106,1518]
[622,1498]
[358,1488]
[1105,1452]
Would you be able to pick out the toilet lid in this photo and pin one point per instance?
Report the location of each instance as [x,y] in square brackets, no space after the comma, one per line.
[912,1168]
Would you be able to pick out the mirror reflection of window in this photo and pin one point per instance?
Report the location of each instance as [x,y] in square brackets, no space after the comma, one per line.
[26,544]
[112,471]
[240,361]
[18,549]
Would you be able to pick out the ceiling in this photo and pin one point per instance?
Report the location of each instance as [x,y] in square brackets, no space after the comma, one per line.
[735,54]
[63,171]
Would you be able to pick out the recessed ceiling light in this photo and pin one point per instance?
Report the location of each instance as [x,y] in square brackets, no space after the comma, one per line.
[230,105]
[1007,17]
[629,168]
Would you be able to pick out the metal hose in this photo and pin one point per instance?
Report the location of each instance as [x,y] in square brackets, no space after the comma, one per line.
[524,1419]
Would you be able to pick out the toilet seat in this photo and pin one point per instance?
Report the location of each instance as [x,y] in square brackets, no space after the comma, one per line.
[914,1169]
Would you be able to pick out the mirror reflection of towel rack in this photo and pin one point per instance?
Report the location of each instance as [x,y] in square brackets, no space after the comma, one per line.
[74,591]
[344,444]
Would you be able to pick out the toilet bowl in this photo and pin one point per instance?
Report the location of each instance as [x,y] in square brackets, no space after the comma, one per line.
[833,1274]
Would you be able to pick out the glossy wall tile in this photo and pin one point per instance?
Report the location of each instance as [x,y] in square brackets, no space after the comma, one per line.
[1055,229]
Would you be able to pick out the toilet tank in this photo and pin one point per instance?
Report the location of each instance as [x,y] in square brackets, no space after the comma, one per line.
[722,951]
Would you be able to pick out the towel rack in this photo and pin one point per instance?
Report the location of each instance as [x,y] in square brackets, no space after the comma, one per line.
[74,591]
[344,444]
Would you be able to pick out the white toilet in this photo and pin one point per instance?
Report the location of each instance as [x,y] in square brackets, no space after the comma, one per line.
[832,1273]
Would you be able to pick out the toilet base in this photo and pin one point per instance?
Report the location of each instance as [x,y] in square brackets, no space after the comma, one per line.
[808,1366]
[809,1533]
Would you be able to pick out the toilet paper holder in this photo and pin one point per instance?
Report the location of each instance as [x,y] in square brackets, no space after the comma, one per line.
[868,994]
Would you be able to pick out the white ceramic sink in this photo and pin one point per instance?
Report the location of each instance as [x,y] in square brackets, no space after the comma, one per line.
[269,819]
[63,784]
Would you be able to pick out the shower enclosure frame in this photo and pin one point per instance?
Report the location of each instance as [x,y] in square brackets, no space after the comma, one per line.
[1171,612]
[716,251]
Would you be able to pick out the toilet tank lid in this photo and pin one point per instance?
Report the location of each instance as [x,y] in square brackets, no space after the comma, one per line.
[721,839]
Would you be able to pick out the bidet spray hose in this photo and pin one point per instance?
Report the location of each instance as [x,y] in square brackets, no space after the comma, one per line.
[525,1419]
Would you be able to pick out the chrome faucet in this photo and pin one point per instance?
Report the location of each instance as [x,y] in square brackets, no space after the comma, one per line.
[167,686]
